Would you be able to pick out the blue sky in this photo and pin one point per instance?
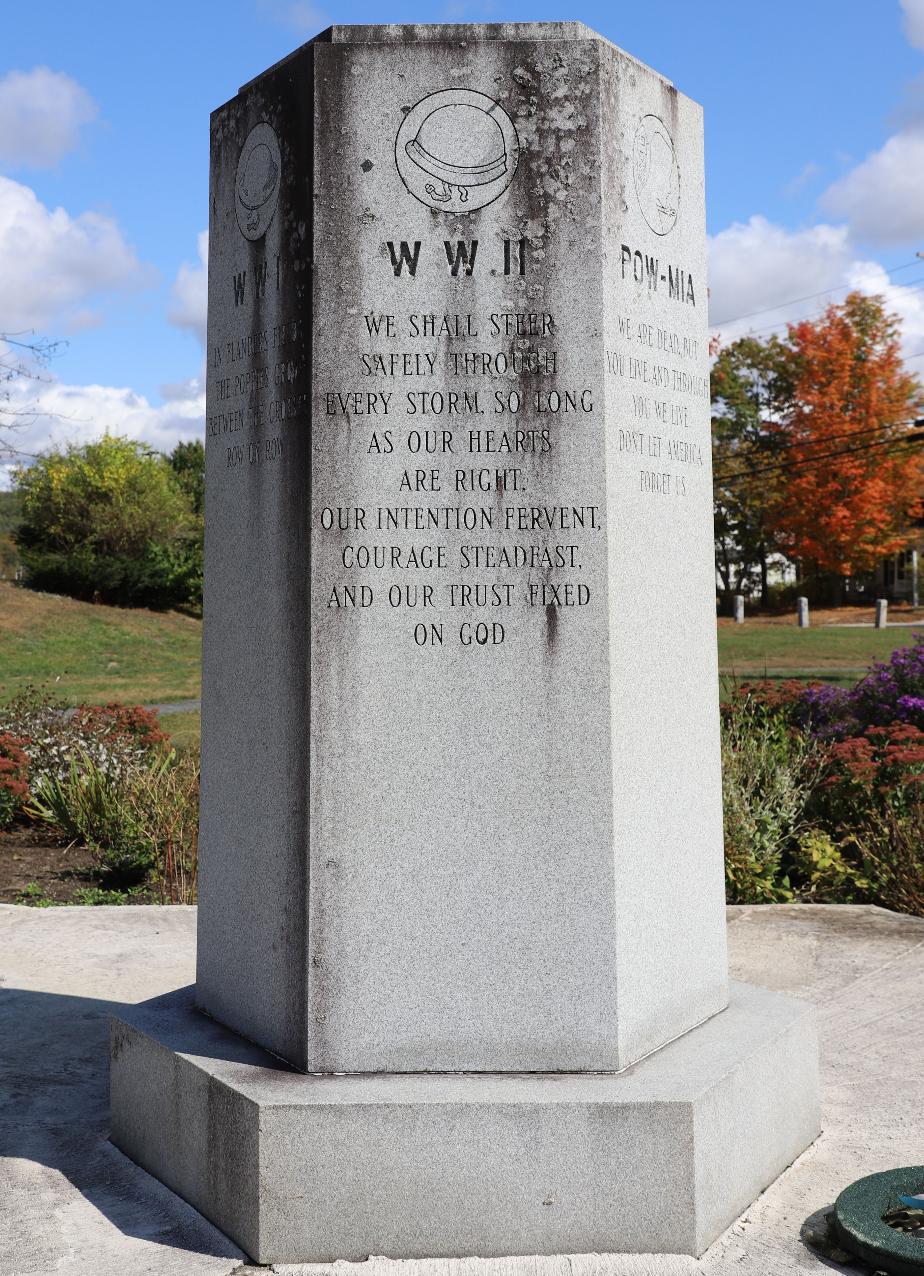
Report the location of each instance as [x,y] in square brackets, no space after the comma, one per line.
[814,143]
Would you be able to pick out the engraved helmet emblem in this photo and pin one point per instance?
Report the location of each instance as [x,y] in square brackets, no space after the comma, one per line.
[457,150]
[656,174]
[259,177]
[257,181]
[483,149]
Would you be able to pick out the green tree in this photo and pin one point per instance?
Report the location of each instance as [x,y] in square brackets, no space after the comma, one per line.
[10,514]
[107,521]
[752,393]
[188,463]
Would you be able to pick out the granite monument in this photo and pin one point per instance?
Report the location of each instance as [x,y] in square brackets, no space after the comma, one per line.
[462,982]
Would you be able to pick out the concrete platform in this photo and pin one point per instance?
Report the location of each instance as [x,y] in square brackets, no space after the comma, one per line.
[70,1203]
[311,1168]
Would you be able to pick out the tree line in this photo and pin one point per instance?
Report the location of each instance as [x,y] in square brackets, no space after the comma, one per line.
[817,461]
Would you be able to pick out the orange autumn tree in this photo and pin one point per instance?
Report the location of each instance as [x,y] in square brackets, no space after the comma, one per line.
[852,478]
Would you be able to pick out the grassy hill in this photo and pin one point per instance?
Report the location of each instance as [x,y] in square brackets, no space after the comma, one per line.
[85,652]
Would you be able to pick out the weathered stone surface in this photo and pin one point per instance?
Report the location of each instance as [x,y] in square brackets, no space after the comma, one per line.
[477,828]
[298,1168]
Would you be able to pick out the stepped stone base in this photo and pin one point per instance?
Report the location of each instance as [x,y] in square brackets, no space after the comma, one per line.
[295,1168]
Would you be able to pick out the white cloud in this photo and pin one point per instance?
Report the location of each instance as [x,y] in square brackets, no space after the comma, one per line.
[883,197]
[190,292]
[756,265]
[763,276]
[914,21]
[905,301]
[51,263]
[56,414]
[41,115]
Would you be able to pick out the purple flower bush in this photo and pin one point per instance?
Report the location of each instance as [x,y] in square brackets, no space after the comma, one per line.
[856,833]
[892,691]
[826,711]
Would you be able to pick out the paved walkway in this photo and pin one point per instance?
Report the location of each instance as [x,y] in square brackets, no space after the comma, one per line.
[177,706]
[72,1205]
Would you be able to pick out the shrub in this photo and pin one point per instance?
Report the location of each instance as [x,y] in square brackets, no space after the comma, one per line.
[120,722]
[91,805]
[165,806]
[14,777]
[824,873]
[768,771]
[878,771]
[108,521]
[772,696]
[887,847]
[893,690]
[141,822]
[114,737]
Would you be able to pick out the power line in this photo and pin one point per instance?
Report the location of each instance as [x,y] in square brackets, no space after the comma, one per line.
[846,434]
[757,332]
[912,442]
[794,301]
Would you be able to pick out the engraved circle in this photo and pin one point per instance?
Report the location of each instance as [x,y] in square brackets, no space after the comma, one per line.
[656,174]
[257,181]
[457,150]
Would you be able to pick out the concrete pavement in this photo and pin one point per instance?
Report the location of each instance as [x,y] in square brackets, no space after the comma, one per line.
[71,1204]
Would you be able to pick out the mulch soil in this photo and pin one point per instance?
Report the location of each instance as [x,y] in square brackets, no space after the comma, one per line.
[27,854]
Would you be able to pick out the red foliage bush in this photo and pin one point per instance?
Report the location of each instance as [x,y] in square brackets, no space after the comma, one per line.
[14,776]
[115,721]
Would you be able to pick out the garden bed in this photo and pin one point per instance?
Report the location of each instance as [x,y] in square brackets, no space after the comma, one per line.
[37,869]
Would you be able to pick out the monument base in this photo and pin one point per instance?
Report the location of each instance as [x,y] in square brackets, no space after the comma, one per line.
[657,1159]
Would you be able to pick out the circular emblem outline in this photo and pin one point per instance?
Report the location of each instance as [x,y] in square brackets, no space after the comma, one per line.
[656,174]
[257,181]
[446,117]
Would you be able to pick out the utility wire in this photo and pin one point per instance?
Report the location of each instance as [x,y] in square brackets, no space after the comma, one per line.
[907,443]
[757,332]
[847,434]
[794,301]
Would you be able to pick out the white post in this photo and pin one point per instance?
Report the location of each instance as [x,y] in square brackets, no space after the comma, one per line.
[914,578]
[739,609]
[882,612]
[802,611]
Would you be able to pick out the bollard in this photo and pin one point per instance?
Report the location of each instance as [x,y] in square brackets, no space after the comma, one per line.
[882,613]
[802,611]
[739,609]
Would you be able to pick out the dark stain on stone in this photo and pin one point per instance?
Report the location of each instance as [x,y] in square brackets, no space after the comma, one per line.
[366,166]
[551,624]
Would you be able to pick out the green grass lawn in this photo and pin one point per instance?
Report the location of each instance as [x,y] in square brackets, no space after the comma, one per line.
[182,728]
[785,651]
[84,652]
